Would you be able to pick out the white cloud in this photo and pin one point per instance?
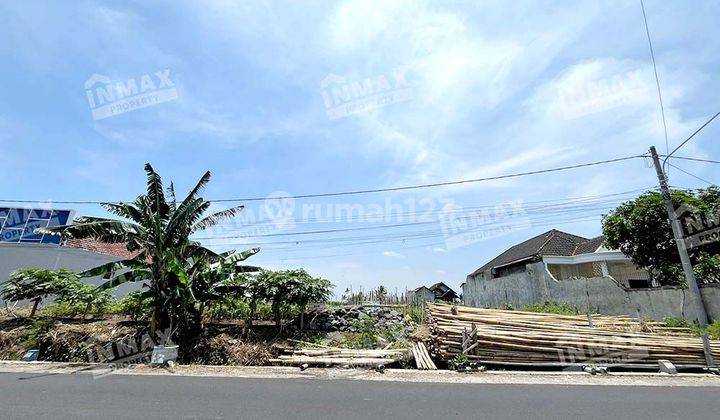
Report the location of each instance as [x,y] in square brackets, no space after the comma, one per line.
[393,254]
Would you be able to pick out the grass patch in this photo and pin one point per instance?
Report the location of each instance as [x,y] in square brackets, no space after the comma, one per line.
[551,308]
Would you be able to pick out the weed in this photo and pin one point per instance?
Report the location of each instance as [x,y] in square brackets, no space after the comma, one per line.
[677,323]
[552,308]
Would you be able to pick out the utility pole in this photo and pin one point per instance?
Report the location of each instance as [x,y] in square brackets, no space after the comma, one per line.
[696,297]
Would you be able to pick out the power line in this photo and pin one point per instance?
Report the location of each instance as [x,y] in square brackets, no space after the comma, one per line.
[657,79]
[565,208]
[301,257]
[376,190]
[372,218]
[688,173]
[545,215]
[691,136]
[693,159]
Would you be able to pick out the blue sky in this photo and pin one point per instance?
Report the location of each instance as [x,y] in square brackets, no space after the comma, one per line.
[492,89]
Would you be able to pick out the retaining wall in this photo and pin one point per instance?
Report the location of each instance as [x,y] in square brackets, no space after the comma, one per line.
[599,295]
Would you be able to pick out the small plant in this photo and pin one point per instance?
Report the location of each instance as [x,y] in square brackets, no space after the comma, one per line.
[366,336]
[233,308]
[40,327]
[414,312]
[676,323]
[552,308]
[459,361]
[714,330]
[74,293]
[137,305]
[35,285]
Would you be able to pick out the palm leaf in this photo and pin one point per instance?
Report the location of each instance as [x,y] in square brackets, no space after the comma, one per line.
[155,191]
[111,267]
[242,256]
[125,210]
[106,230]
[198,187]
[173,199]
[215,218]
[135,275]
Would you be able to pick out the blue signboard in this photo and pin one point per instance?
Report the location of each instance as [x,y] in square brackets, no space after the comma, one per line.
[18,225]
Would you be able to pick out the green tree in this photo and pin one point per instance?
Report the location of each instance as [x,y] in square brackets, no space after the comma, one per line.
[72,291]
[158,227]
[35,284]
[641,229]
[283,289]
[382,294]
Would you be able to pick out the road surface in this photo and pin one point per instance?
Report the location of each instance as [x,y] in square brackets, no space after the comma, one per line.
[61,396]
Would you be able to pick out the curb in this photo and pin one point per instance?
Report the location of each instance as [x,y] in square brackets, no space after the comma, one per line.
[389,375]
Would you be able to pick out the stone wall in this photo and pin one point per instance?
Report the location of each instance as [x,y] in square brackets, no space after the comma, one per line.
[599,295]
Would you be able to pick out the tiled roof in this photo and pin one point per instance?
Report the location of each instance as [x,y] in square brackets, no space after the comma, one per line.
[552,242]
[440,286]
[590,246]
[118,250]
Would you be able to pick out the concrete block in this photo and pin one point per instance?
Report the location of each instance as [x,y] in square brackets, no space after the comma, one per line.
[667,367]
[31,355]
[161,355]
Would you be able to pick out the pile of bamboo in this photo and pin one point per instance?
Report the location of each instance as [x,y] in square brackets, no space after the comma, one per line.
[500,337]
[421,356]
[334,356]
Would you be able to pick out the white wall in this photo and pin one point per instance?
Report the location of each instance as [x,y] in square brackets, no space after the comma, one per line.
[17,256]
[598,294]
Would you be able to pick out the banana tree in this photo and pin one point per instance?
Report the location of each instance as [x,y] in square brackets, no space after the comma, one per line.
[158,227]
[216,281]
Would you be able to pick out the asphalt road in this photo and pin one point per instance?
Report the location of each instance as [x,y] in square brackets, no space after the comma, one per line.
[35,396]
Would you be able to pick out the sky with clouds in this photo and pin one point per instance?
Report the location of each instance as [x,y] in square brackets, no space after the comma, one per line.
[292,98]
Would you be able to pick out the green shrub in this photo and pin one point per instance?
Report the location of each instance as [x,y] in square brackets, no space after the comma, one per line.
[552,308]
[714,330]
[366,336]
[137,305]
[40,327]
[264,312]
[228,309]
[74,293]
[677,323]
[414,312]
[35,284]
[62,310]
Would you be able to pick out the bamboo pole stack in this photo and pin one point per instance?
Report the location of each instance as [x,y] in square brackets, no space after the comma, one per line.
[421,356]
[501,337]
[333,356]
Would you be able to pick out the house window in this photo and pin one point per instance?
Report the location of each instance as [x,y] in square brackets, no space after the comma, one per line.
[508,270]
[574,271]
[638,283]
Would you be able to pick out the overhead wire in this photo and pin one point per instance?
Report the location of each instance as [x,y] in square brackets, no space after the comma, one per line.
[369,191]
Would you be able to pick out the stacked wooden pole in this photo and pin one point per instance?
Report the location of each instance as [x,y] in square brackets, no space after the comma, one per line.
[421,356]
[333,356]
[524,338]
